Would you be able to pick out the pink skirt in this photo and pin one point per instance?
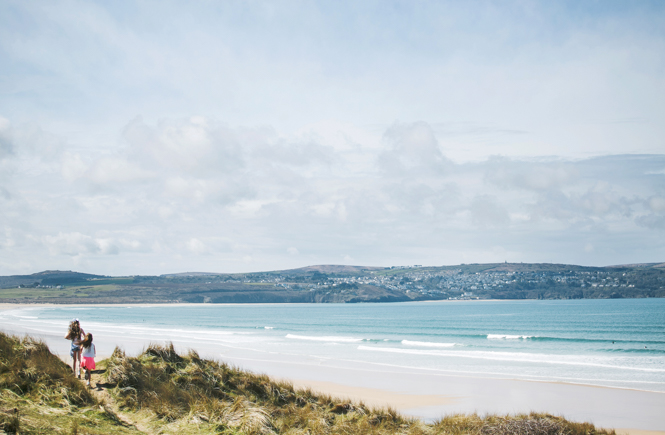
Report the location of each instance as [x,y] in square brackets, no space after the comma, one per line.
[88,362]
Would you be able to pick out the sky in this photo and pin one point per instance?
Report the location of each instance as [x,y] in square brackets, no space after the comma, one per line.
[151,137]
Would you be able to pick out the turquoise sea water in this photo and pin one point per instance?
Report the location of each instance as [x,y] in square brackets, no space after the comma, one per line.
[618,343]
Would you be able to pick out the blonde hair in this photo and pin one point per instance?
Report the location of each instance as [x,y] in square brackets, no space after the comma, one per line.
[74,330]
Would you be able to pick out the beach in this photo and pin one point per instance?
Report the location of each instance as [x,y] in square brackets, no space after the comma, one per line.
[431,396]
[425,393]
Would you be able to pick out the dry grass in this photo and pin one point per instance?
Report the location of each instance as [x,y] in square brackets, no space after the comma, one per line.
[28,368]
[521,424]
[177,389]
[40,395]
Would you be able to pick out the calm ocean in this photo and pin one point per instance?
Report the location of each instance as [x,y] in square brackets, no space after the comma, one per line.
[618,343]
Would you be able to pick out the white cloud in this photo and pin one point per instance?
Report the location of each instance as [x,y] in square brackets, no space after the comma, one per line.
[241,129]
[485,211]
[657,204]
[73,167]
[413,149]
[197,247]
[77,244]
[112,170]
[530,175]
[132,203]
[655,217]
[187,146]
[6,147]
[652,221]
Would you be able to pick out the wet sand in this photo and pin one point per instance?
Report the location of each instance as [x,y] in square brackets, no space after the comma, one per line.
[420,393]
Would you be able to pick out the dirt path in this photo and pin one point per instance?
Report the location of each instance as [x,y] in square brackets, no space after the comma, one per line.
[108,405]
[106,402]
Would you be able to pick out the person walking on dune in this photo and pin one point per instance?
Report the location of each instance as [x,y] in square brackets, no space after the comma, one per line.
[88,353]
[76,335]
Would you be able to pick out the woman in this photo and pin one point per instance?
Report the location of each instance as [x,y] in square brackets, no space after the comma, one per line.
[76,335]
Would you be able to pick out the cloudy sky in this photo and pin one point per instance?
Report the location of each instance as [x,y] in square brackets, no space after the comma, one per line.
[149,137]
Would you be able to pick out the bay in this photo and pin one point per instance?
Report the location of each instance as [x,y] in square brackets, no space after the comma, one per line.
[615,343]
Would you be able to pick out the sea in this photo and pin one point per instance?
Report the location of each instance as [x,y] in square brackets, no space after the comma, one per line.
[616,343]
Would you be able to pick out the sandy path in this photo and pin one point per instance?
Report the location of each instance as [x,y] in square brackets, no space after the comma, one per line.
[108,405]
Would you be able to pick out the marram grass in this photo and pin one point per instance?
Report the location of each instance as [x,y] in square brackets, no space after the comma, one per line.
[40,395]
[163,392]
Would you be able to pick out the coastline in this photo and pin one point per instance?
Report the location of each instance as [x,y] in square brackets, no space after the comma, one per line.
[10,305]
[419,393]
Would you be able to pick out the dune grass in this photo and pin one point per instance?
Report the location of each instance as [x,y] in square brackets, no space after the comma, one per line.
[223,399]
[40,395]
[160,391]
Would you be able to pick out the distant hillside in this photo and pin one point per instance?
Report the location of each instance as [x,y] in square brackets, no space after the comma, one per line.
[346,284]
[641,265]
[168,275]
[332,268]
[48,277]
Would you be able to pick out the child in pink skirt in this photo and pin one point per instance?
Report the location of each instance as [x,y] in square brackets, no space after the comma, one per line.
[88,354]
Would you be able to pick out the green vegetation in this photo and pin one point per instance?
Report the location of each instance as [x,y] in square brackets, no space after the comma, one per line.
[47,295]
[160,391]
[100,282]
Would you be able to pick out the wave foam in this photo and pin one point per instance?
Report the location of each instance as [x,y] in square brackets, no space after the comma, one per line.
[325,338]
[427,344]
[572,360]
[507,337]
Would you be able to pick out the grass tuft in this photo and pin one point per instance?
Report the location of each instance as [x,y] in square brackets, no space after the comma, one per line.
[520,424]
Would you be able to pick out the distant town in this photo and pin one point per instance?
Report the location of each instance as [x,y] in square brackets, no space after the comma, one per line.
[345,284]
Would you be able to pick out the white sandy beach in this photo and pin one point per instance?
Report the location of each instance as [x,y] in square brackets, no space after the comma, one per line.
[422,393]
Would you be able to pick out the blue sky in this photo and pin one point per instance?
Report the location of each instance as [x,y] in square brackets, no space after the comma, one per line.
[144,137]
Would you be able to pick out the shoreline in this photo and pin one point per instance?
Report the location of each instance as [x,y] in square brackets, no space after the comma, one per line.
[10,305]
[417,393]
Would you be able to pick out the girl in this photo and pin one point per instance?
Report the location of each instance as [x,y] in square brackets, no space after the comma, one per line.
[88,357]
[75,334]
